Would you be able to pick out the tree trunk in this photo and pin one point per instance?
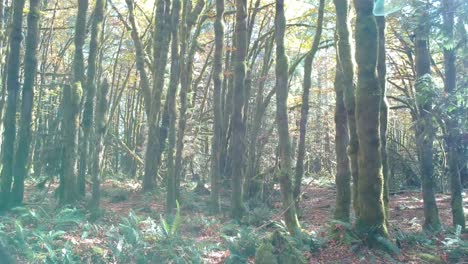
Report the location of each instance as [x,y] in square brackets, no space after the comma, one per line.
[371,219]
[285,169]
[237,123]
[140,58]
[90,94]
[345,58]
[162,37]
[383,119]
[70,128]
[79,76]
[452,137]
[253,182]
[100,123]
[305,105]
[425,131]
[171,198]
[218,114]
[9,120]
[343,173]
[30,70]
[186,71]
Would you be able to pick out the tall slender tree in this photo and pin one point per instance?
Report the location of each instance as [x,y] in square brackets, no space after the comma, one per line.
[383,118]
[371,218]
[79,76]
[30,71]
[425,131]
[285,171]
[346,64]
[237,121]
[90,92]
[161,41]
[452,136]
[88,114]
[68,193]
[190,19]
[100,123]
[171,198]
[305,104]
[140,57]
[343,173]
[218,115]
[13,86]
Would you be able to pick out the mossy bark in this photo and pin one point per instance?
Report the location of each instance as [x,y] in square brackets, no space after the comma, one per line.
[218,114]
[452,137]
[299,171]
[30,70]
[190,18]
[70,128]
[425,131]
[171,198]
[162,37]
[79,76]
[79,40]
[9,119]
[382,72]
[139,57]
[343,172]
[371,218]
[254,181]
[90,95]
[346,64]
[100,123]
[284,145]
[237,120]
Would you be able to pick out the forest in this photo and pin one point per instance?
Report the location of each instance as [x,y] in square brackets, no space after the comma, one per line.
[233,131]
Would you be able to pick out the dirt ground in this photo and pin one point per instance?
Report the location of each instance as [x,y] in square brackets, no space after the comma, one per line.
[406,216]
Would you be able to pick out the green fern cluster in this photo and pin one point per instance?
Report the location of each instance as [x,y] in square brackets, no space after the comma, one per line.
[138,240]
[38,236]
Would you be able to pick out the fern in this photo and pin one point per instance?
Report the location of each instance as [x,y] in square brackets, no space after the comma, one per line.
[170,231]
[68,217]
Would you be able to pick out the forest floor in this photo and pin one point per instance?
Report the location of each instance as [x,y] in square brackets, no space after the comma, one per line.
[132,224]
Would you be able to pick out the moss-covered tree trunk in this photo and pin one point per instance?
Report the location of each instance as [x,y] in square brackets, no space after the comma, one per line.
[162,38]
[189,19]
[70,129]
[305,105]
[90,94]
[452,137]
[382,72]
[285,169]
[425,131]
[218,76]
[237,121]
[345,59]
[79,76]
[100,124]
[139,57]
[253,184]
[343,172]
[171,198]
[13,86]
[371,218]
[30,70]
